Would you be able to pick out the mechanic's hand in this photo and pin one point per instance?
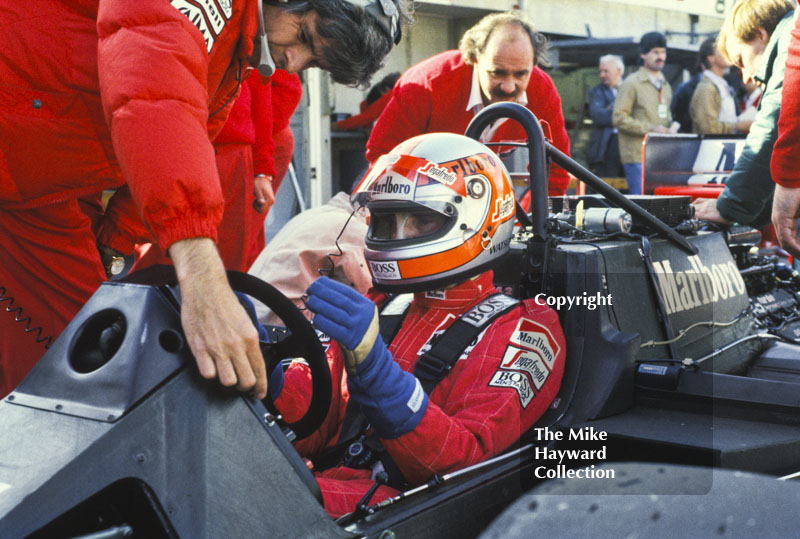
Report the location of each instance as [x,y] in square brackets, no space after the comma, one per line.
[265,196]
[219,332]
[706,209]
[785,210]
[346,316]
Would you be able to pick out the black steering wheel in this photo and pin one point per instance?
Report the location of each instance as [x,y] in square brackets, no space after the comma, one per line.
[301,340]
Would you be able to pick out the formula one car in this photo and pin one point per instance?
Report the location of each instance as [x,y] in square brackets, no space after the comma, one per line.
[683,349]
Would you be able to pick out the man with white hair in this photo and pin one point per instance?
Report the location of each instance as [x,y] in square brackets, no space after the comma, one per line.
[603,152]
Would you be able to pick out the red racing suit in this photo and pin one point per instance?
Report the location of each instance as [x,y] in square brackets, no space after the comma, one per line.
[95,94]
[432,96]
[500,386]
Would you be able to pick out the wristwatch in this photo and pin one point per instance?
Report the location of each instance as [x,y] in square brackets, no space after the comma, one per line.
[113,261]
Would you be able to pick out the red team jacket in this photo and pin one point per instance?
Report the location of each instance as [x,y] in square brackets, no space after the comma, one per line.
[498,389]
[785,156]
[133,73]
[432,96]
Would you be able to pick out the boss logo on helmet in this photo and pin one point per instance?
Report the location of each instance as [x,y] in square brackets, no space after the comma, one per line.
[439,174]
[391,185]
[384,270]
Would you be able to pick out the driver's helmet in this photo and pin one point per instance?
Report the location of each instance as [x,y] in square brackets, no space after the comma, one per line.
[441,210]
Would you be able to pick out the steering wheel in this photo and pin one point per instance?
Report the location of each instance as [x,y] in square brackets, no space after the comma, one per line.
[301,341]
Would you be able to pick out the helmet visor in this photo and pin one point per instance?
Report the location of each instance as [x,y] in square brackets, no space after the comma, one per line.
[393,224]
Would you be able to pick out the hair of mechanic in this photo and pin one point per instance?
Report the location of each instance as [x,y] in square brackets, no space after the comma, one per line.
[474,40]
[707,48]
[612,59]
[361,44]
[746,17]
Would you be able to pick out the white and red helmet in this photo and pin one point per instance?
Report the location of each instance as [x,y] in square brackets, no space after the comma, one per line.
[441,210]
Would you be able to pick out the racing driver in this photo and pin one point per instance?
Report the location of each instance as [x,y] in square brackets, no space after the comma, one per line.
[95,94]
[441,212]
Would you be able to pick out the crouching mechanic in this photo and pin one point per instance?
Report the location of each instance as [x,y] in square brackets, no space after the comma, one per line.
[468,370]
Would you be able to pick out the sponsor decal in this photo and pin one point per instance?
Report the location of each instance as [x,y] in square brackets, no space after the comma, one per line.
[487,309]
[417,398]
[517,381]
[435,294]
[439,174]
[227,7]
[535,337]
[385,270]
[503,208]
[393,185]
[526,361]
[206,16]
[700,285]
[497,247]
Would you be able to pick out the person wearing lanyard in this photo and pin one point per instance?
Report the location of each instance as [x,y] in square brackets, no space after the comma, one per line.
[642,106]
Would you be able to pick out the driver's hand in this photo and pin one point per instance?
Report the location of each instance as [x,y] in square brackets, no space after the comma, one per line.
[219,332]
[706,209]
[346,316]
[785,210]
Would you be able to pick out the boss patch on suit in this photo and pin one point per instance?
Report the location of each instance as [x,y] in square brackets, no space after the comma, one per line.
[516,380]
[208,16]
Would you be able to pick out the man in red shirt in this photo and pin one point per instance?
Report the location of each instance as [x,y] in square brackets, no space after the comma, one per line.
[97,94]
[498,60]
[786,155]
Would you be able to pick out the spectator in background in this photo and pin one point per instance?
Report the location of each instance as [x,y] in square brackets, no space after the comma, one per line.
[755,37]
[603,153]
[498,61]
[785,164]
[713,106]
[370,109]
[642,107]
[680,102]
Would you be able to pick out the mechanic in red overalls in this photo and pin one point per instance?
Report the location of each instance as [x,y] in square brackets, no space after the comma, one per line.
[95,94]
[253,151]
[441,211]
[498,60]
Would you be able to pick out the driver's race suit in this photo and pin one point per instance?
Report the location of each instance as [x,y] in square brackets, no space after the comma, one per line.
[500,386]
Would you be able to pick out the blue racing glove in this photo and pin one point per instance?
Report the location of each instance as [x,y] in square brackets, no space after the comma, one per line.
[392,400]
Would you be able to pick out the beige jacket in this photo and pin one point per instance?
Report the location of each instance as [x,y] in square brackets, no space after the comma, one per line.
[292,259]
[636,113]
[704,110]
